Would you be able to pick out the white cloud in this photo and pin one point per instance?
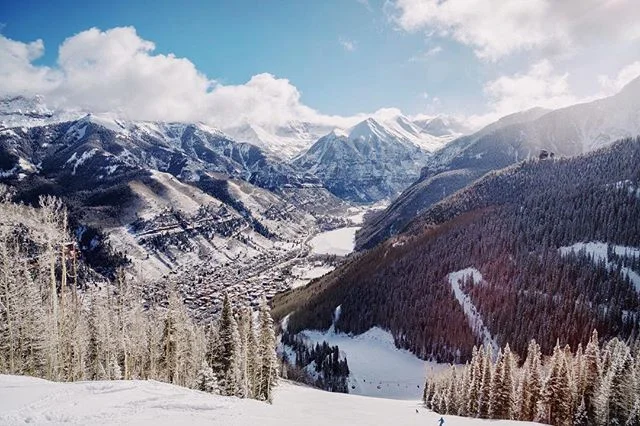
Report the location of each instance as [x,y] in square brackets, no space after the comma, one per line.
[612,85]
[495,28]
[17,74]
[348,45]
[117,71]
[540,86]
[426,55]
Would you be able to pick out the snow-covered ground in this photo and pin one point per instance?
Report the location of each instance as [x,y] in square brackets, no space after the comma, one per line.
[598,252]
[26,400]
[339,241]
[377,368]
[304,274]
[473,316]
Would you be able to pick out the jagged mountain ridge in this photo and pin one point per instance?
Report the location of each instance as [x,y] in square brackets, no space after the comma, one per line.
[566,132]
[293,138]
[368,163]
[169,195]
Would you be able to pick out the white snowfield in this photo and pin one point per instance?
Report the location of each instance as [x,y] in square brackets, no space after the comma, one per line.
[377,367]
[339,241]
[27,400]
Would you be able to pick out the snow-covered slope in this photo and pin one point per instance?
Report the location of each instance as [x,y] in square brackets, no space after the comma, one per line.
[599,253]
[376,366]
[367,163]
[285,141]
[26,400]
[456,279]
[22,111]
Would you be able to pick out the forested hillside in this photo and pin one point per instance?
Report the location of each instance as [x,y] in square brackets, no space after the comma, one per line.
[517,228]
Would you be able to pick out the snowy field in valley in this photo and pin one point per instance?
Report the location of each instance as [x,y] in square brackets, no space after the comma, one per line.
[26,400]
[377,368]
[339,241]
[304,274]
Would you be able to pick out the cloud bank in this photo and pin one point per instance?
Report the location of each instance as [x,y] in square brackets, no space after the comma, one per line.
[118,71]
[496,28]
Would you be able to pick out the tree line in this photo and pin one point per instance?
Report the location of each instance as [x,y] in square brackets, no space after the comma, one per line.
[58,324]
[597,385]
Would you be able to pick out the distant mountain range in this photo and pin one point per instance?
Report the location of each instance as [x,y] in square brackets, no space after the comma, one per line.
[565,132]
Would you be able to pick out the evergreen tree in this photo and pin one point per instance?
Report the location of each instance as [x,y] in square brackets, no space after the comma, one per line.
[591,376]
[581,418]
[206,380]
[268,359]
[475,382]
[225,358]
[485,386]
[531,383]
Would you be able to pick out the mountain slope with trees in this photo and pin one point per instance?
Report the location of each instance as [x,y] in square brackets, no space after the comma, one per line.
[510,226]
[569,131]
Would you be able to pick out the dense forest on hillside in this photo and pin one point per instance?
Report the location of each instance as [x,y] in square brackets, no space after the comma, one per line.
[510,226]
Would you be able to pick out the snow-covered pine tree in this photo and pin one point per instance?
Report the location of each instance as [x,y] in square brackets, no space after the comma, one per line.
[225,358]
[254,363]
[592,376]
[501,399]
[531,383]
[485,385]
[623,387]
[451,391]
[206,380]
[580,417]
[495,403]
[475,380]
[267,353]
[244,320]
[556,395]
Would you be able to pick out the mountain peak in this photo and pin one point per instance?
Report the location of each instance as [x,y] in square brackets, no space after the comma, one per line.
[368,128]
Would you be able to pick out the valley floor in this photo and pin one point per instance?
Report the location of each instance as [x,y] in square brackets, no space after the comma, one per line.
[27,400]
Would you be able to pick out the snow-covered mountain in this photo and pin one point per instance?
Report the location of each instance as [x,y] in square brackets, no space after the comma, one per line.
[99,144]
[293,138]
[369,162]
[285,141]
[23,111]
[566,132]
[175,197]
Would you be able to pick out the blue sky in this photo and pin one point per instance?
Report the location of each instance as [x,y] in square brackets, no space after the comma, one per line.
[231,41]
[471,58]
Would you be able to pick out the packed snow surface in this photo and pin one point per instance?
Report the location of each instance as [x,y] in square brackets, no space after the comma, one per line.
[473,316]
[377,367]
[26,400]
[598,252]
[338,241]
